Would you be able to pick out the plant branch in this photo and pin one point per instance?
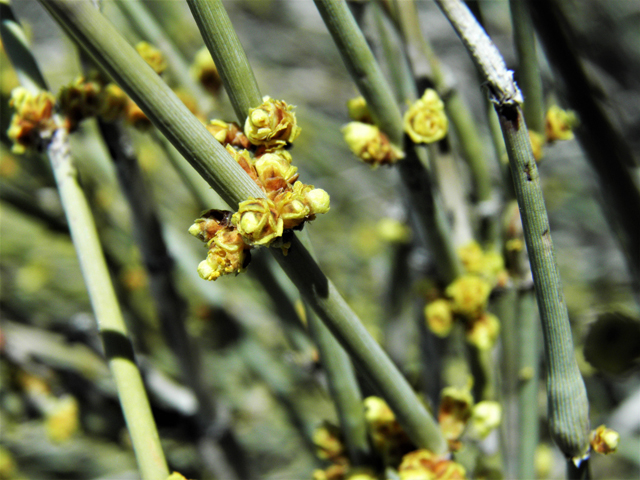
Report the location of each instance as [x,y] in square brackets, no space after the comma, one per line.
[566,392]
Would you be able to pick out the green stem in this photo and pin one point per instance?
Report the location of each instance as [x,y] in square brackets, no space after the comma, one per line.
[17,47]
[227,52]
[148,28]
[603,143]
[528,389]
[567,396]
[117,346]
[528,68]
[366,73]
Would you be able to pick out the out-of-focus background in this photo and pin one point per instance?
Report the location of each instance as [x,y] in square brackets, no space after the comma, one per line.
[268,396]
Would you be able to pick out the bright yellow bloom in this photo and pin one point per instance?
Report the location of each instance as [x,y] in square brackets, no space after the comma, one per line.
[63,419]
[455,412]
[328,440]
[32,120]
[369,144]
[469,295]
[153,57]
[258,222]
[604,440]
[559,124]
[272,124]
[485,417]
[483,331]
[425,121]
[439,317]
[358,110]
[228,253]
[204,70]
[425,465]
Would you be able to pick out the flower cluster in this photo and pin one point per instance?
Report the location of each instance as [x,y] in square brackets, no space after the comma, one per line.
[365,140]
[33,119]
[467,297]
[287,204]
[424,464]
[387,436]
[425,121]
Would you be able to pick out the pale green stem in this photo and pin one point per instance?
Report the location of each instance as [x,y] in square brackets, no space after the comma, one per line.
[528,67]
[148,28]
[100,40]
[117,346]
[366,74]
[566,392]
[528,388]
[227,52]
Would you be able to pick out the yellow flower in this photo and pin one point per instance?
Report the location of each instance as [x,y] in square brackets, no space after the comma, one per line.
[425,465]
[292,209]
[328,440]
[152,56]
[258,222]
[204,70]
[79,100]
[136,117]
[393,231]
[486,416]
[212,221]
[228,133]
[228,253]
[483,331]
[559,124]
[272,124]
[455,411]
[275,171]
[113,102]
[439,317]
[369,144]
[425,121]
[472,257]
[63,420]
[317,200]
[604,440]
[537,144]
[358,110]
[469,295]
[32,119]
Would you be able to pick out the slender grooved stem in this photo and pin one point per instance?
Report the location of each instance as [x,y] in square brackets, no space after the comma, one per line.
[566,392]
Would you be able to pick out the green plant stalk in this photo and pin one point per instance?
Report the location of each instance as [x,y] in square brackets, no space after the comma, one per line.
[148,28]
[368,77]
[117,346]
[528,68]
[229,56]
[17,47]
[566,392]
[101,41]
[603,144]
[529,377]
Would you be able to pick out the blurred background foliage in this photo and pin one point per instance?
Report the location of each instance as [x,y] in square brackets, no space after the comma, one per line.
[59,414]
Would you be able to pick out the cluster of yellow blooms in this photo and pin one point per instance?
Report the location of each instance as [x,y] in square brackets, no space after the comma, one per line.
[424,122]
[558,125]
[467,298]
[393,445]
[287,205]
[33,119]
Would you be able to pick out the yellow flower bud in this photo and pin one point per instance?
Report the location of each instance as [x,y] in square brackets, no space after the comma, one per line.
[291,209]
[113,102]
[369,144]
[559,124]
[328,440]
[455,411]
[32,120]
[425,465]
[79,100]
[318,201]
[358,110]
[258,222]
[425,121]
[211,222]
[537,144]
[152,56]
[63,419]
[472,257]
[439,317]
[204,70]
[486,416]
[604,440]
[483,331]
[272,124]
[228,133]
[469,295]
[275,172]
[393,231]
[228,253]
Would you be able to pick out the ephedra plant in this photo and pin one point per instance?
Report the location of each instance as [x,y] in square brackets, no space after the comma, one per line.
[434,371]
